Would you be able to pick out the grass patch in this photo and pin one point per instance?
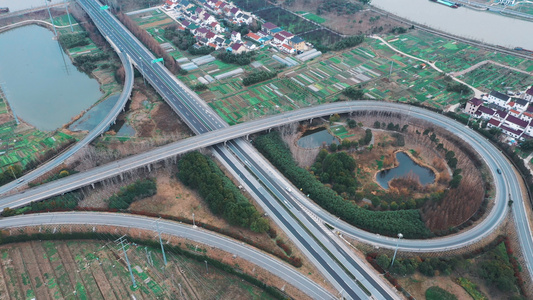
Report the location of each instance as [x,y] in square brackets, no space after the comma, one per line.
[436,293]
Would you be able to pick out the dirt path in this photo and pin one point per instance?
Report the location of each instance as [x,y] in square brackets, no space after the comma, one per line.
[479,64]
[477,93]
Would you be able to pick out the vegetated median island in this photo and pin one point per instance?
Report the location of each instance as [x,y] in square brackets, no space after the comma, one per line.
[389,223]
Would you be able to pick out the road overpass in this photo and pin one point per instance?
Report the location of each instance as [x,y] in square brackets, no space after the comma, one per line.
[506,183]
[201,119]
[251,254]
[94,133]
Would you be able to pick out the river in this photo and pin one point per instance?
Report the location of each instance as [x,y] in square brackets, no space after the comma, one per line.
[15,5]
[42,86]
[477,25]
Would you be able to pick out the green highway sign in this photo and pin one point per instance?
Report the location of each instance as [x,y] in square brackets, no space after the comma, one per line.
[157,60]
[104,7]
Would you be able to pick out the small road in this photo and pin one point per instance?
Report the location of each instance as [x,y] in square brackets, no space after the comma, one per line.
[477,92]
[29,22]
[481,63]
[253,255]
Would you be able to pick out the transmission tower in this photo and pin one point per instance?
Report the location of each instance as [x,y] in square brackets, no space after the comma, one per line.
[121,241]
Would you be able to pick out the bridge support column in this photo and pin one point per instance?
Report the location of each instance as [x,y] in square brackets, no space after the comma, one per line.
[225,143]
[149,168]
[92,185]
[269,129]
[121,176]
[247,137]
[310,120]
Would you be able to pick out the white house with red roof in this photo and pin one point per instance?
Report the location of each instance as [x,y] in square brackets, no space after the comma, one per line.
[279,39]
[287,49]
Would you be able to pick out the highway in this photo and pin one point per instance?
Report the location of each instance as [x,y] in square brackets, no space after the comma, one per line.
[202,119]
[506,184]
[98,130]
[265,261]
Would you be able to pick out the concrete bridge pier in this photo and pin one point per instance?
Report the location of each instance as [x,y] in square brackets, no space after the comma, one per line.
[269,129]
[310,120]
[149,168]
[92,185]
[225,143]
[121,177]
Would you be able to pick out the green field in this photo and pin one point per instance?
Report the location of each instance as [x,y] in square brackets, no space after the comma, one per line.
[367,66]
[311,17]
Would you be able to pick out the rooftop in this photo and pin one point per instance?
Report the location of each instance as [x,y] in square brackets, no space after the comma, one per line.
[494,122]
[269,25]
[499,95]
[517,121]
[486,110]
[297,40]
[474,101]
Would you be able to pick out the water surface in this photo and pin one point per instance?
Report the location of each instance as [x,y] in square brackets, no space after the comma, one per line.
[483,26]
[406,166]
[40,82]
[317,138]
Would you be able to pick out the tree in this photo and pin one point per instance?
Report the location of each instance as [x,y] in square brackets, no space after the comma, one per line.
[351,123]
[353,93]
[260,225]
[383,261]
[377,125]
[333,147]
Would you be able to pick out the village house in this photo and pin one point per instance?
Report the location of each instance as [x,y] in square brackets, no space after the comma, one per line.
[528,95]
[498,98]
[297,43]
[237,48]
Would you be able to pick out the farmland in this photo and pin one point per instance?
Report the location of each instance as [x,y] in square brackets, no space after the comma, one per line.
[95,270]
[382,73]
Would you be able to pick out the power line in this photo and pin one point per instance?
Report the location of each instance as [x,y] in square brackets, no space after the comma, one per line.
[121,241]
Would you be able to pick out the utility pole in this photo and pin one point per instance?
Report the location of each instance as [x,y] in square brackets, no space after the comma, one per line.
[121,241]
[400,236]
[51,19]
[161,242]
[68,15]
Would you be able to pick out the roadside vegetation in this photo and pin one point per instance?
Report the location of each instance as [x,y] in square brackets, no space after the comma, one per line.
[383,222]
[492,266]
[130,193]
[223,197]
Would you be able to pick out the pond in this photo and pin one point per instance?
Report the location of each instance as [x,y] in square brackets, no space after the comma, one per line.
[406,165]
[316,138]
[41,84]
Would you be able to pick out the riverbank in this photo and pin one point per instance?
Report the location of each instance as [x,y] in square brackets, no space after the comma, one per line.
[443,34]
